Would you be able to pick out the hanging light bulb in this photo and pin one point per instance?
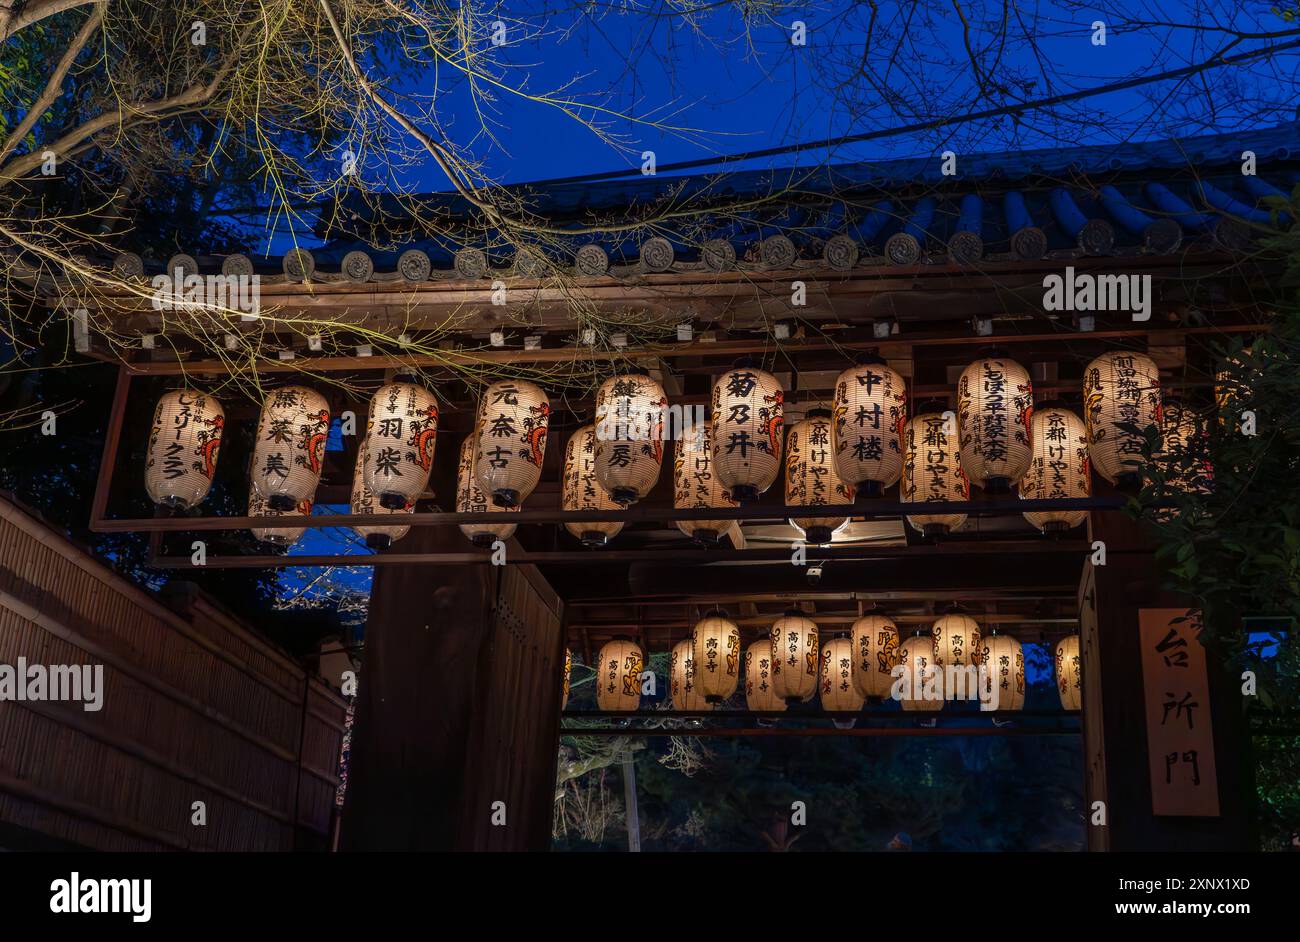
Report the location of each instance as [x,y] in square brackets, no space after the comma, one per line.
[363,502]
[290,449]
[839,693]
[794,657]
[870,409]
[875,651]
[747,413]
[695,486]
[995,399]
[922,683]
[1058,467]
[513,417]
[716,652]
[1003,660]
[618,685]
[184,443]
[683,679]
[629,435]
[1120,388]
[400,434]
[811,479]
[932,471]
[581,490]
[1069,673]
[470,499]
[760,688]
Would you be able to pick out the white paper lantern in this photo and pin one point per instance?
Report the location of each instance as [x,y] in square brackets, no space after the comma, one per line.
[875,653]
[513,418]
[290,449]
[1120,388]
[870,409]
[629,435]
[1182,437]
[794,657]
[184,444]
[401,431]
[922,683]
[748,406]
[1003,660]
[258,507]
[470,499]
[618,681]
[696,487]
[581,491]
[1058,467]
[760,686]
[995,400]
[715,649]
[956,640]
[811,479]
[686,694]
[363,502]
[932,472]
[1069,673]
[838,692]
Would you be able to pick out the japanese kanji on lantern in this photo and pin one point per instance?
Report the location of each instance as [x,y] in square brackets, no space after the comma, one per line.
[184,443]
[363,502]
[811,479]
[956,640]
[715,646]
[921,684]
[838,692]
[1058,467]
[686,694]
[760,688]
[258,507]
[512,420]
[629,435]
[1069,673]
[875,655]
[400,435]
[932,471]
[568,672]
[470,499]
[581,491]
[290,449]
[747,415]
[618,679]
[995,400]
[794,657]
[1120,388]
[696,487]
[870,409]
[1003,662]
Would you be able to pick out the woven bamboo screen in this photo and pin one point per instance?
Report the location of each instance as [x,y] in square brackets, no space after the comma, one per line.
[995,400]
[184,444]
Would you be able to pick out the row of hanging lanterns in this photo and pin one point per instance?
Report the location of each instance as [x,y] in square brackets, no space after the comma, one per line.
[789,667]
[865,443]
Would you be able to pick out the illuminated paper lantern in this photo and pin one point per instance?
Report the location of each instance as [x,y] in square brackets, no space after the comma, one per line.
[290,449]
[870,409]
[922,683]
[794,657]
[618,682]
[581,491]
[956,640]
[1119,388]
[995,400]
[629,435]
[696,487]
[839,693]
[258,507]
[686,694]
[184,443]
[363,502]
[1003,660]
[1232,386]
[1181,451]
[1069,673]
[513,417]
[470,499]
[1058,467]
[715,642]
[932,472]
[401,431]
[875,653]
[747,414]
[811,479]
[568,672]
[760,686]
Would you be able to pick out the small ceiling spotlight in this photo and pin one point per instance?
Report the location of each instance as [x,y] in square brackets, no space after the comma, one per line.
[781,330]
[815,574]
[497,338]
[882,329]
[148,341]
[588,338]
[983,326]
[314,343]
[685,331]
[1085,323]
